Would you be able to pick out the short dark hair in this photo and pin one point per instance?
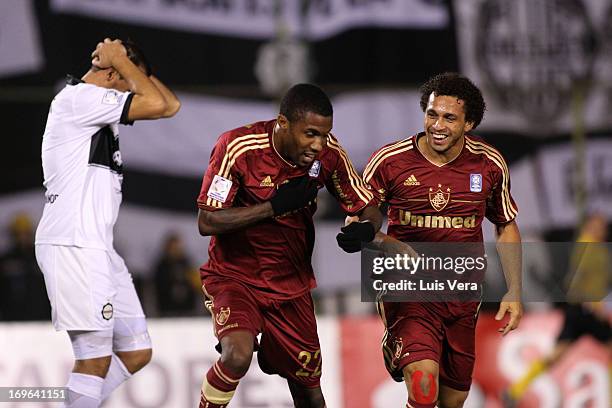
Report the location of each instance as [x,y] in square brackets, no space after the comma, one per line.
[302,98]
[135,54]
[454,84]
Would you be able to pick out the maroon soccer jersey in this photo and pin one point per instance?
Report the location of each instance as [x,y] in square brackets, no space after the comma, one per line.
[273,255]
[432,203]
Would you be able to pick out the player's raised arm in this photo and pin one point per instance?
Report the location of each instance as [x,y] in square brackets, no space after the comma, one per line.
[172,102]
[147,102]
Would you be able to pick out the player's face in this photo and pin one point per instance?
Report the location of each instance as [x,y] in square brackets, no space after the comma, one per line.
[307,137]
[445,122]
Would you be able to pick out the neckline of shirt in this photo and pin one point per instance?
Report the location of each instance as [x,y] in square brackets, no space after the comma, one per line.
[271,136]
[416,145]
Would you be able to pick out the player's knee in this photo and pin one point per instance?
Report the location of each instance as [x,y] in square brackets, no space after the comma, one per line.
[423,386]
[305,397]
[95,366]
[237,358]
[135,360]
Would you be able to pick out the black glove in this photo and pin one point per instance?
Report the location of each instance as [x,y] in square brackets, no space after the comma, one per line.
[295,194]
[354,234]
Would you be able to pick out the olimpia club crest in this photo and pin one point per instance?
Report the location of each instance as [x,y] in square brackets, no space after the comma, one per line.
[533,52]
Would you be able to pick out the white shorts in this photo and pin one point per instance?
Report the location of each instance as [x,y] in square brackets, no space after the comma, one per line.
[87,287]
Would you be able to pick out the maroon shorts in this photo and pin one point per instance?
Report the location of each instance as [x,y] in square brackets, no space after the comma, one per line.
[289,344]
[443,332]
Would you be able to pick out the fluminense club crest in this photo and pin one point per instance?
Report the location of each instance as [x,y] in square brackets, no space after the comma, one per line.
[439,199]
[222,316]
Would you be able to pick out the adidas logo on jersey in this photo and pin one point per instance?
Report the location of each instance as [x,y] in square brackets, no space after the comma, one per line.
[267,182]
[412,181]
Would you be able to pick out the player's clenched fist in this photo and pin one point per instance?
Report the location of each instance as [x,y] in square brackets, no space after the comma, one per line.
[354,234]
[293,195]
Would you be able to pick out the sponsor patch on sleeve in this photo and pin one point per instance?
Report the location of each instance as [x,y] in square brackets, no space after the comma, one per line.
[219,188]
[112,97]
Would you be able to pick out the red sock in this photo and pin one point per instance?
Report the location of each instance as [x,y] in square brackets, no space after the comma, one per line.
[218,387]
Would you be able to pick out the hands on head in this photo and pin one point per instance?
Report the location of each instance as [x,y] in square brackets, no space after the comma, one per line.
[106,53]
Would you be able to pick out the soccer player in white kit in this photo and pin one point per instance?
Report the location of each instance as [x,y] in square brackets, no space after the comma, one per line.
[90,289]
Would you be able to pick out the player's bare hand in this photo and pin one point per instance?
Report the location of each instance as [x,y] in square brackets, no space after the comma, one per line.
[510,304]
[106,53]
[392,247]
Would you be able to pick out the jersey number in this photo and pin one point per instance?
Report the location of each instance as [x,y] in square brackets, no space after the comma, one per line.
[305,358]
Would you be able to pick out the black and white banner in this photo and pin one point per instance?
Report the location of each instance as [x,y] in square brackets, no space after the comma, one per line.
[363,122]
[261,19]
[540,63]
[19,42]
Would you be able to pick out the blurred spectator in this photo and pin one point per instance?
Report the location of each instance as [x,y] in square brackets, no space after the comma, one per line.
[588,280]
[22,287]
[177,283]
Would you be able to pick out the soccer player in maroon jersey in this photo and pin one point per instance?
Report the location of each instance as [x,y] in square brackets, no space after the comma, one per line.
[257,202]
[439,186]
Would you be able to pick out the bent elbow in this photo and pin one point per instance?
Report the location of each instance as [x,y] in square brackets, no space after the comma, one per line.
[173,108]
[158,108]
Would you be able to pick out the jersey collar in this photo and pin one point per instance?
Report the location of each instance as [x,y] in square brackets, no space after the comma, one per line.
[72,80]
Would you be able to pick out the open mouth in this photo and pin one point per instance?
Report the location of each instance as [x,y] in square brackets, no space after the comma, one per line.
[438,138]
[309,157]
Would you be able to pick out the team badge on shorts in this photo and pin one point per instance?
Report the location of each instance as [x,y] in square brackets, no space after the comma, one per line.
[107,311]
[315,169]
[475,183]
[398,345]
[222,316]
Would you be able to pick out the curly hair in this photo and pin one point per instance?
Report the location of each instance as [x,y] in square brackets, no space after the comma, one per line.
[454,84]
[302,98]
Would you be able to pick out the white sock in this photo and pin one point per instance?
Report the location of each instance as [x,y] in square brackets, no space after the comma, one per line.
[84,391]
[117,374]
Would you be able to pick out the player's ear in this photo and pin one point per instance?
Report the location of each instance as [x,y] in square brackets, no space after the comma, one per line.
[468,126]
[111,75]
[282,121]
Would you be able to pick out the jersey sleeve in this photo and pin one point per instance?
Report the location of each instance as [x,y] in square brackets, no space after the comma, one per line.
[345,184]
[97,106]
[374,177]
[501,207]
[220,183]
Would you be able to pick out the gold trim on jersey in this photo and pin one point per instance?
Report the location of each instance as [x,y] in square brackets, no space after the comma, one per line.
[465,201]
[480,148]
[357,183]
[234,149]
[383,154]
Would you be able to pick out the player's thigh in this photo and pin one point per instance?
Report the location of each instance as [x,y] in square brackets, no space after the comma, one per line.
[414,334]
[459,352]
[80,286]
[130,332]
[290,343]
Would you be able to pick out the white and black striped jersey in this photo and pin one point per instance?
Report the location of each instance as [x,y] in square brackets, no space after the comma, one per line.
[82,166]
